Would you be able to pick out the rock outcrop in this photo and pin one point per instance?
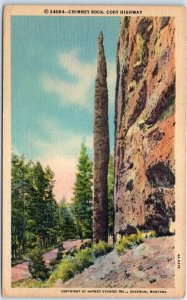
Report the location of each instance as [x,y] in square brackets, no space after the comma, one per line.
[101,148]
[144,121]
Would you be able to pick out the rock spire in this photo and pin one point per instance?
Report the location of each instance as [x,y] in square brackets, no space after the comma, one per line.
[101,147]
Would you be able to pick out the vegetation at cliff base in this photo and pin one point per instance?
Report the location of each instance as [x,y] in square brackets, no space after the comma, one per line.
[72,265]
[126,242]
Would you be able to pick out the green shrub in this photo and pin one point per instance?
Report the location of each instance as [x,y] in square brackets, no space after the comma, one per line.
[71,265]
[95,250]
[68,268]
[37,266]
[122,244]
[126,242]
[84,259]
[65,270]
[102,248]
[135,239]
[150,234]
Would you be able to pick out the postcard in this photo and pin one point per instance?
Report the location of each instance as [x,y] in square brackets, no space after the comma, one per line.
[93,151]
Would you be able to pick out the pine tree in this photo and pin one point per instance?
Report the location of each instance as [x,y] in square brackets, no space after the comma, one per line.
[43,209]
[37,266]
[67,226]
[34,211]
[20,194]
[82,201]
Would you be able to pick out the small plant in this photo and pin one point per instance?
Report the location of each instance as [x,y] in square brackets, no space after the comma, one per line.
[139,236]
[102,248]
[150,234]
[126,242]
[37,266]
[84,259]
[122,244]
[67,269]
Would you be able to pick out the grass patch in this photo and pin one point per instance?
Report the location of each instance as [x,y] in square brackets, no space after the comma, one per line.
[29,283]
[72,265]
[126,242]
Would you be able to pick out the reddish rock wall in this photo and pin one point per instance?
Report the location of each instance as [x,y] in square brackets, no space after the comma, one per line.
[144,118]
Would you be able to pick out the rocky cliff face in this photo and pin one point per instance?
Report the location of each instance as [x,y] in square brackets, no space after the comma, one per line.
[145,121]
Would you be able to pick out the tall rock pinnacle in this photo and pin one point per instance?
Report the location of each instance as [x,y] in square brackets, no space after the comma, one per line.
[101,148]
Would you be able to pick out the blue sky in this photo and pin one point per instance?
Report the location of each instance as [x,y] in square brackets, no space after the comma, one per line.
[53,76]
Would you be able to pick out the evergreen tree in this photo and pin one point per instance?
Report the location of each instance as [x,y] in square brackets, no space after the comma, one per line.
[37,205]
[20,193]
[43,210]
[51,210]
[82,200]
[34,211]
[37,266]
[67,226]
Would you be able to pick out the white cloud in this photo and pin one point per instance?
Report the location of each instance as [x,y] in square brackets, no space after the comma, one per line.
[59,141]
[76,90]
[80,77]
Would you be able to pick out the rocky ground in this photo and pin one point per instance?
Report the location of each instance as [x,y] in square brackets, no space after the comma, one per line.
[150,265]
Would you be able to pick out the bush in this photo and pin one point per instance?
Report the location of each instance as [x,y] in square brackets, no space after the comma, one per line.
[127,242]
[150,234]
[135,239]
[70,266]
[122,244]
[102,248]
[65,270]
[84,259]
[37,266]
